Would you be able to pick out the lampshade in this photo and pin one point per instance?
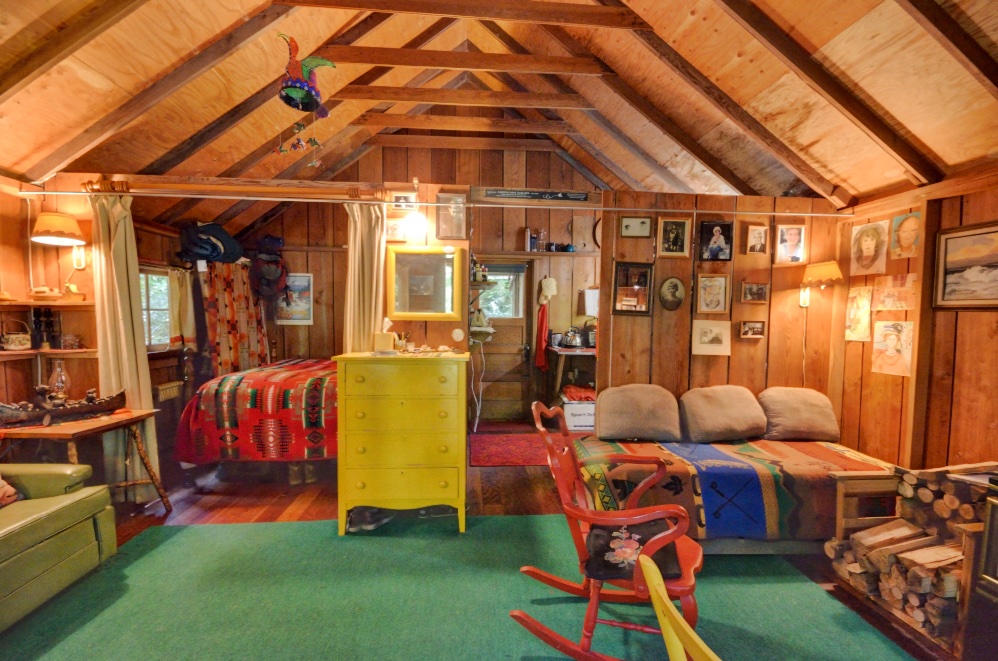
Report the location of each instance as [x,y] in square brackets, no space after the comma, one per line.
[57,229]
[822,273]
[591,302]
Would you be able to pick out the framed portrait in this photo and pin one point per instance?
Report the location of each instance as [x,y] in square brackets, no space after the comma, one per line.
[905,235]
[635,226]
[632,288]
[753,330]
[674,237]
[755,292]
[295,309]
[868,255]
[451,221]
[712,294]
[790,245]
[711,338]
[671,294]
[756,240]
[395,230]
[715,241]
[966,267]
[403,201]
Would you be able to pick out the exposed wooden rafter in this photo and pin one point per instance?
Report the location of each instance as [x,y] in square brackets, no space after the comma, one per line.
[83,27]
[461,61]
[463,142]
[448,123]
[951,36]
[203,59]
[462,97]
[920,169]
[741,117]
[529,11]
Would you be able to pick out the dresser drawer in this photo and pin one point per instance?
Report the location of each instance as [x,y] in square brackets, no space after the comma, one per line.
[425,379]
[402,414]
[371,484]
[369,449]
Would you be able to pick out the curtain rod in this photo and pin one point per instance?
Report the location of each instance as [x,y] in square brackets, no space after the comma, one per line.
[470,205]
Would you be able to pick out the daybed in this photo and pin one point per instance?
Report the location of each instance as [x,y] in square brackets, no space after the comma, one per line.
[285,411]
[742,467]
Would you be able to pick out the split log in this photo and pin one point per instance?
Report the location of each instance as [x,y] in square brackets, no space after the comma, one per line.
[864,581]
[892,532]
[886,556]
[931,557]
[914,613]
[834,548]
[941,509]
[907,507]
[909,478]
[967,513]
[919,579]
[915,598]
[906,490]
[946,582]
[925,494]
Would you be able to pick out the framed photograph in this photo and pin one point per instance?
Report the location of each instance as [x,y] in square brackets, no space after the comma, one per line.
[451,221]
[295,309]
[711,338]
[869,249]
[755,292]
[712,294]
[671,294]
[756,240]
[395,230]
[635,226]
[403,201]
[905,236]
[790,246]
[631,288]
[674,237]
[966,264]
[715,240]
[753,330]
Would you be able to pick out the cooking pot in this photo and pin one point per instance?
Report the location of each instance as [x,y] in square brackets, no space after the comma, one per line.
[16,340]
[572,338]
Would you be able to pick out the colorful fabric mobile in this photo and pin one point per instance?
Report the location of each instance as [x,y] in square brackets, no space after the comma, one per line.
[298,86]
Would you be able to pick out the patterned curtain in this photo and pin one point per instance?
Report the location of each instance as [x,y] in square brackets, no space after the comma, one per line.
[237,335]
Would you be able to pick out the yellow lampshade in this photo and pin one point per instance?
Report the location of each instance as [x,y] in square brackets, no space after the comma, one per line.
[57,229]
[822,273]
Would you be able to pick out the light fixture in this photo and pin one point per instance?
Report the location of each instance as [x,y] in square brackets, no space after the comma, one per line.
[821,274]
[57,229]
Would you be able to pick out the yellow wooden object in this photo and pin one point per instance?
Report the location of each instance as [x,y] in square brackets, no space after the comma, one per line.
[680,638]
[402,432]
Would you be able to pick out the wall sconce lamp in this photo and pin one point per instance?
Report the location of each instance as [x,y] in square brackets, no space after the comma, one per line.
[822,274]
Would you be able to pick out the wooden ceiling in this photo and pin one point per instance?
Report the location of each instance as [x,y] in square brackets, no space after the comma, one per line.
[848,99]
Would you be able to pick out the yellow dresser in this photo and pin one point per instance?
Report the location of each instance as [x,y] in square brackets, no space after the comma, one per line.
[401,431]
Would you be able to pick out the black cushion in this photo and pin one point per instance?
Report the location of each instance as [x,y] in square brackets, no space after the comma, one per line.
[613,551]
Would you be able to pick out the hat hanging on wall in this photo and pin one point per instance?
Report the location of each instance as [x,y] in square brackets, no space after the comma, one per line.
[209,242]
[298,86]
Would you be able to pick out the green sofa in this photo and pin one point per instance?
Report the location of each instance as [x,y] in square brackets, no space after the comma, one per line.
[61,531]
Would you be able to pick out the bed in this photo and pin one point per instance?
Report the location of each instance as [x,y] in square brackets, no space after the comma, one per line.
[285,411]
[772,483]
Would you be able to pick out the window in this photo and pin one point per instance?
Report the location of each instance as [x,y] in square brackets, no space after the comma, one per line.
[505,298]
[154,288]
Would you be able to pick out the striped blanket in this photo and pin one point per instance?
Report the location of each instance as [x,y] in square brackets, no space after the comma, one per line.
[745,489]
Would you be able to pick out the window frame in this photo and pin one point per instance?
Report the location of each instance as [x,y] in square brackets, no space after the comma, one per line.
[144,273]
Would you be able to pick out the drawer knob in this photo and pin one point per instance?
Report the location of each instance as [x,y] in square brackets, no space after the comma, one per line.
[443,448]
[361,450]
[443,414]
[360,414]
[359,379]
[361,485]
[443,484]
[442,379]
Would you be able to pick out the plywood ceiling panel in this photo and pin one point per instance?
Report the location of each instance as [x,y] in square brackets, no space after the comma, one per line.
[814,23]
[752,163]
[26,25]
[979,19]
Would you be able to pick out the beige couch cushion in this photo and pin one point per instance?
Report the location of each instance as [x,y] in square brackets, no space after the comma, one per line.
[641,411]
[798,414]
[720,413]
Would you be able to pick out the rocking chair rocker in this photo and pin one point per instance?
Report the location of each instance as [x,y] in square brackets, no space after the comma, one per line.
[609,543]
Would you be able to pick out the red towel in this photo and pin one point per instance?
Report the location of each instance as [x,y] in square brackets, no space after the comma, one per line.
[541,358]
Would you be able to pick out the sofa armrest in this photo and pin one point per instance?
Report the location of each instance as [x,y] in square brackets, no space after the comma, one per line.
[45,480]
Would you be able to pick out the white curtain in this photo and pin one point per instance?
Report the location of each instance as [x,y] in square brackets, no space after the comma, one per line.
[121,346]
[182,321]
[365,293]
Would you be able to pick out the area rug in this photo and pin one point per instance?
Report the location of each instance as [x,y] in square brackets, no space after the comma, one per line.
[522,449]
[414,589]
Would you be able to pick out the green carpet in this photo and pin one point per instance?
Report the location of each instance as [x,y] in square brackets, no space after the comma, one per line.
[413,589]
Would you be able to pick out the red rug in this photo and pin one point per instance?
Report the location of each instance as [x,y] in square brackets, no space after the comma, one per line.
[526,449]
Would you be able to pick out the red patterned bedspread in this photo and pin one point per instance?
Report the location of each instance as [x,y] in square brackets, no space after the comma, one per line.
[285,411]
[742,489]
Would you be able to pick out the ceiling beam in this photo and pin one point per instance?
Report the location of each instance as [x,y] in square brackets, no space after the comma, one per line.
[77,31]
[462,142]
[241,110]
[945,29]
[830,88]
[451,123]
[529,11]
[173,213]
[203,60]
[739,116]
[656,117]
[463,61]
[462,97]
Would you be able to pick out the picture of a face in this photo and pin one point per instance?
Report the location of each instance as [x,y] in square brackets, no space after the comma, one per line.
[904,242]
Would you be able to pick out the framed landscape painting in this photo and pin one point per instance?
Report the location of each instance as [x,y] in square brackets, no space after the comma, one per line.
[967,267]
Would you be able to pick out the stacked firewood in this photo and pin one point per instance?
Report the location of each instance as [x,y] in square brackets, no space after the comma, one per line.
[939,505]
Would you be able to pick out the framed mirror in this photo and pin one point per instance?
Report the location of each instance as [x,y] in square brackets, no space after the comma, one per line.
[426,283]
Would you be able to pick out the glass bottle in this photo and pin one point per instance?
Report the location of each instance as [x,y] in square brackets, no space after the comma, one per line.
[59,382]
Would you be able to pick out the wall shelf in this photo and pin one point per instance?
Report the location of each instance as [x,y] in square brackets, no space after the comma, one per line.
[20,306]
[47,353]
[536,254]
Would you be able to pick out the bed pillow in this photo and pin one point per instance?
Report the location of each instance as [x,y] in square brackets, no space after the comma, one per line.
[798,414]
[720,413]
[641,411]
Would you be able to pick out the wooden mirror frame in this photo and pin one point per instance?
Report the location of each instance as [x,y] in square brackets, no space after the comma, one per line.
[458,285]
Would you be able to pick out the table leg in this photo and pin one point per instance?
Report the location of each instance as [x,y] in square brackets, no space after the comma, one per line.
[136,437]
[559,371]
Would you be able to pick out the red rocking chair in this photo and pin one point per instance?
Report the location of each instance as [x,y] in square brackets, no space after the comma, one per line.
[609,542]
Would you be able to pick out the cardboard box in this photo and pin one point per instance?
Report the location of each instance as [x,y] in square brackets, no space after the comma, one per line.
[580,416]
